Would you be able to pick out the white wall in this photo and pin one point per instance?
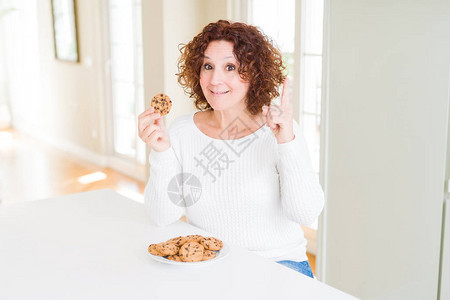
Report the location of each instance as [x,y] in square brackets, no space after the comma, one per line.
[166,24]
[65,103]
[388,85]
[73,93]
[182,21]
[56,101]
[179,21]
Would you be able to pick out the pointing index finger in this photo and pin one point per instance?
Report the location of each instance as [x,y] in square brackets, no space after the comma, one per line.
[285,101]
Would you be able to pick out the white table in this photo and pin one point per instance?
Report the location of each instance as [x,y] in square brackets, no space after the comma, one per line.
[94,246]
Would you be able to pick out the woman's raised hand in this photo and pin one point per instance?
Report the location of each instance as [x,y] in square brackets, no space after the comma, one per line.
[153,131]
[280,117]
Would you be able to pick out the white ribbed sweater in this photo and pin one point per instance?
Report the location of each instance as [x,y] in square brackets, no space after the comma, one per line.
[254,192]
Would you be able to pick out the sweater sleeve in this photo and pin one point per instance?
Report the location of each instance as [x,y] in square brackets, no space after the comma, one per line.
[164,166]
[302,197]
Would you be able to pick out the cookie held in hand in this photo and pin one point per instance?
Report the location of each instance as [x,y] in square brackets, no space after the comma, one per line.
[162,104]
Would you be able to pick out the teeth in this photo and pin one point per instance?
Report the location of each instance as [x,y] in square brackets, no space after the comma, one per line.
[219,92]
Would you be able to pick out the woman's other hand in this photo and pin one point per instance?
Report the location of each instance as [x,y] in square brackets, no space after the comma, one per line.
[153,131]
[280,117]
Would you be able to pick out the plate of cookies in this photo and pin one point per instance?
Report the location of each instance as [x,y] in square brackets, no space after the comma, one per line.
[188,250]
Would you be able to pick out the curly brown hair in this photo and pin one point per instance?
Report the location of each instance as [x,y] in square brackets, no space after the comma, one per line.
[260,63]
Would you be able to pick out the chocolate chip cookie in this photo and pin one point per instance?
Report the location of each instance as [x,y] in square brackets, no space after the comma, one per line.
[152,249]
[178,241]
[174,257]
[211,243]
[194,237]
[162,104]
[208,254]
[191,252]
[166,248]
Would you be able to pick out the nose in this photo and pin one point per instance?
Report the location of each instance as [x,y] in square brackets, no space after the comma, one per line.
[217,76]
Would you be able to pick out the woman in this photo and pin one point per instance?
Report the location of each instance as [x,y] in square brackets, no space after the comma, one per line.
[248,185]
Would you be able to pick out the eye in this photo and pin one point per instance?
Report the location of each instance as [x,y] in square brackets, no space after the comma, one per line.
[230,68]
[207,67]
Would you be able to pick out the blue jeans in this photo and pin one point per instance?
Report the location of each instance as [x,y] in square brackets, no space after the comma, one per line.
[301,266]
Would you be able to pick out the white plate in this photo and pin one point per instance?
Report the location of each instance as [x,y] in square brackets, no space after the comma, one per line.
[219,255]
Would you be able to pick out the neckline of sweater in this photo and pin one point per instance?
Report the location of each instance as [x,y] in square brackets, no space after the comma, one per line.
[262,128]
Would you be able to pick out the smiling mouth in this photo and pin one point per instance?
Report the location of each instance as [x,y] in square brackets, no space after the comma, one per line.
[218,92]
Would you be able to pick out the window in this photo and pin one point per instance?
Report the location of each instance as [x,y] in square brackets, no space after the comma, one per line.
[279,19]
[311,77]
[20,75]
[127,89]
